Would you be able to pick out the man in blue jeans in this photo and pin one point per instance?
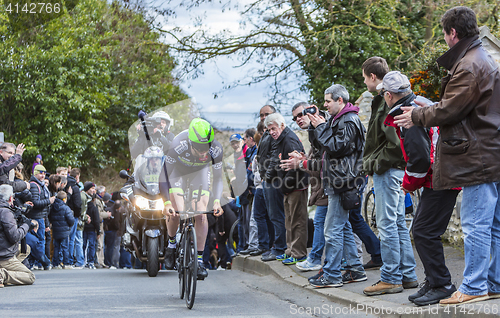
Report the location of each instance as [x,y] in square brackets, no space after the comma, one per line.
[341,141]
[40,196]
[468,149]
[272,195]
[383,159]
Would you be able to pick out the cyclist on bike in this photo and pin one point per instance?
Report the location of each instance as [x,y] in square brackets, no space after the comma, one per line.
[191,154]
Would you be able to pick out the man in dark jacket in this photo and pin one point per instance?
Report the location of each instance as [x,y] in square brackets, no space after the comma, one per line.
[62,220]
[12,271]
[10,157]
[383,160]
[293,184]
[468,149]
[75,204]
[41,199]
[341,140]
[272,194]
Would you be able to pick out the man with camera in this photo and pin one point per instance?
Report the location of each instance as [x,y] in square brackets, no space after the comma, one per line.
[10,157]
[12,231]
[341,140]
[157,127]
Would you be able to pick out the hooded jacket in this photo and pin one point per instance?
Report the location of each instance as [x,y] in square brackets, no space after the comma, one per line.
[468,116]
[62,219]
[342,139]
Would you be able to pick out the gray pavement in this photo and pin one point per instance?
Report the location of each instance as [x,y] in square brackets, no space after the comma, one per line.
[131,293]
[392,305]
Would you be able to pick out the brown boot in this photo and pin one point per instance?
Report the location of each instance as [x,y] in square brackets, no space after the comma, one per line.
[381,287]
[493,295]
[457,298]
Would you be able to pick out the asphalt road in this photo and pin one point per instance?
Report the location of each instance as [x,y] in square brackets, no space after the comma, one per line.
[131,293]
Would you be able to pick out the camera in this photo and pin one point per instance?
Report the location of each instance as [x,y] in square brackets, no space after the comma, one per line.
[19,214]
[309,110]
[151,123]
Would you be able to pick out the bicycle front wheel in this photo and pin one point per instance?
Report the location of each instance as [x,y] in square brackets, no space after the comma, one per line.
[190,266]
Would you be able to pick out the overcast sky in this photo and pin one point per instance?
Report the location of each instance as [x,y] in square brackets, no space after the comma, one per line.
[235,108]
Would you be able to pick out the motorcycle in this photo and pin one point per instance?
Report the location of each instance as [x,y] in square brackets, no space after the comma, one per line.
[145,228]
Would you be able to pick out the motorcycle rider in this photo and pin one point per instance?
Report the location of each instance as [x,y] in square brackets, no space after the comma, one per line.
[160,136]
[151,168]
[192,153]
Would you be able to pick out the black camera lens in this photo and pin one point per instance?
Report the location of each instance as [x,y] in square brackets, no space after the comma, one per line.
[309,110]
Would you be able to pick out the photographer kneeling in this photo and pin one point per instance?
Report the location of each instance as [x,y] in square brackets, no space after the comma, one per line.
[12,271]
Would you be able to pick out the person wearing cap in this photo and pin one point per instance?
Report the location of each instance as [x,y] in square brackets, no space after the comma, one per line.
[468,149]
[10,157]
[384,161]
[40,196]
[38,161]
[435,207]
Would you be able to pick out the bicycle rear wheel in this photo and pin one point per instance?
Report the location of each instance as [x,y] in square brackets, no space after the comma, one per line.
[233,236]
[190,266]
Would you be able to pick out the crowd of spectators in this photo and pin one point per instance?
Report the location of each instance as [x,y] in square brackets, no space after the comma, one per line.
[409,144]
[71,218]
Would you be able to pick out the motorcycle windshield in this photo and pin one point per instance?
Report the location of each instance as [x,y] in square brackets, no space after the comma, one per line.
[147,175]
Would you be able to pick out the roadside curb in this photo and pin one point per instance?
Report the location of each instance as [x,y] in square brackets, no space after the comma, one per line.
[354,302]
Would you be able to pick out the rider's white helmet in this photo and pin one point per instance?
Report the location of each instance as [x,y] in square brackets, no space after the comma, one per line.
[166,117]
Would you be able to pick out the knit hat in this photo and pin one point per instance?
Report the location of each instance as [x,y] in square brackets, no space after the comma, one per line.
[39,156]
[38,169]
[88,185]
[106,197]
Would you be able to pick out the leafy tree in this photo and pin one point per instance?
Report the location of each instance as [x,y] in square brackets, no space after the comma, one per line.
[321,41]
[72,86]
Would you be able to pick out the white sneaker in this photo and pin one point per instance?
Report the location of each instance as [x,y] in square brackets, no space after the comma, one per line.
[58,267]
[307,266]
[78,267]
[112,267]
[68,267]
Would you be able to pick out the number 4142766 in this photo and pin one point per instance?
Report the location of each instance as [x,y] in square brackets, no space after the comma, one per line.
[34,8]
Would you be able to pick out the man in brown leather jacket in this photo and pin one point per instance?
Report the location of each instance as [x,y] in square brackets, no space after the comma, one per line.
[468,149]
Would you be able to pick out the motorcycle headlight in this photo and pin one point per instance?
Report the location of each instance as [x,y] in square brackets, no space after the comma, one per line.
[141,202]
[145,204]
